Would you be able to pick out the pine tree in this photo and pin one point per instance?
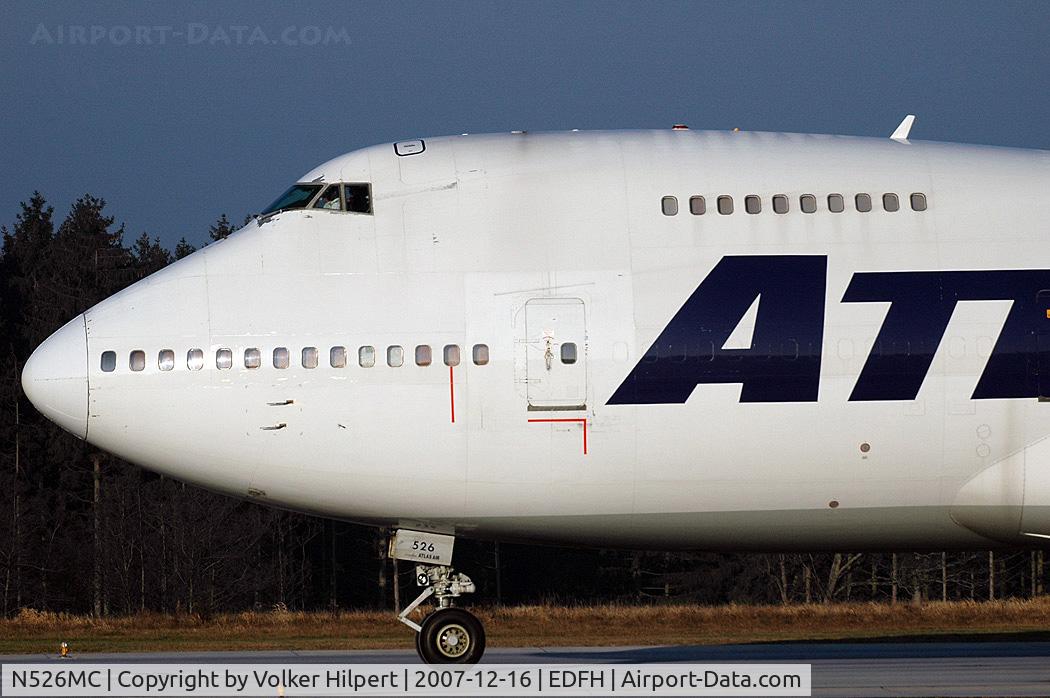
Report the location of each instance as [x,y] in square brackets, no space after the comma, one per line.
[184,249]
[24,249]
[82,263]
[88,262]
[149,255]
[221,229]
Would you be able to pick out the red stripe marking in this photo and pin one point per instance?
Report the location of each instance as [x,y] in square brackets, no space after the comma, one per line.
[568,420]
[452,394]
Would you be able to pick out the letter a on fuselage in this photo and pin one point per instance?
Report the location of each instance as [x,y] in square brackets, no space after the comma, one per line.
[783,362]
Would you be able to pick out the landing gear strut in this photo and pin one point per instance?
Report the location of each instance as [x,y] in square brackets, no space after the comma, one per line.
[448,635]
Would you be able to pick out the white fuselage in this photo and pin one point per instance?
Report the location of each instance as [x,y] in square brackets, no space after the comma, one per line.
[526,243]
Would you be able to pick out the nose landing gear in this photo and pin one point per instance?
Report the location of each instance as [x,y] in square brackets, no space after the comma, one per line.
[448,635]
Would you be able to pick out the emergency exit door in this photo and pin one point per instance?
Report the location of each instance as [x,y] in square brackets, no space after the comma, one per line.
[556,360]
[1042,338]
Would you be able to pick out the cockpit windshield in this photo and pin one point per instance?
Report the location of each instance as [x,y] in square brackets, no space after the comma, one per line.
[346,197]
[330,199]
[298,196]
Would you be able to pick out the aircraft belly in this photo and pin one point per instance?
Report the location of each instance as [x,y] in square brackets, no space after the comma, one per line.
[876,528]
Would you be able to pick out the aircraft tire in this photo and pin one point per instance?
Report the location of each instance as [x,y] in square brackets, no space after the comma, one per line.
[451,636]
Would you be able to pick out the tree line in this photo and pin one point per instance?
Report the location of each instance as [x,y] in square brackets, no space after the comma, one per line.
[82,531]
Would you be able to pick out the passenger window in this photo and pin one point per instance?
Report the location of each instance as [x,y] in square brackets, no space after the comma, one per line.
[166,360]
[109,361]
[669,205]
[329,199]
[890,202]
[752,204]
[281,357]
[451,355]
[358,198]
[568,353]
[697,205]
[863,202]
[195,359]
[725,205]
[252,358]
[481,354]
[309,357]
[836,204]
[395,356]
[808,203]
[918,202]
[224,359]
[337,357]
[138,360]
[423,355]
[780,204]
[366,357]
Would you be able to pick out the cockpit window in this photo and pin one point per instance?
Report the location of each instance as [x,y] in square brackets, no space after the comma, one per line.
[329,199]
[298,196]
[358,198]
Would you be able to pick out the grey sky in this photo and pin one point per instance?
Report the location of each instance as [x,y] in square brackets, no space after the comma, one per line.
[216,120]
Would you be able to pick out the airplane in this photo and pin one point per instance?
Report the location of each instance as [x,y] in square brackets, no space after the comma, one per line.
[672,339]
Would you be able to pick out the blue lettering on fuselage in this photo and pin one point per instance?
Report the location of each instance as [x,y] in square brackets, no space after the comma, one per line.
[922,303]
[783,362]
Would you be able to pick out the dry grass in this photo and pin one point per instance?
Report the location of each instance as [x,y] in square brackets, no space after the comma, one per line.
[33,631]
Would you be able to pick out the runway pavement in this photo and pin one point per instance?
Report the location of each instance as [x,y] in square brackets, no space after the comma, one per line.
[840,669]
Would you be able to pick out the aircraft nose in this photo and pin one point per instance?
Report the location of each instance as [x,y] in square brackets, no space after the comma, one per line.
[55,377]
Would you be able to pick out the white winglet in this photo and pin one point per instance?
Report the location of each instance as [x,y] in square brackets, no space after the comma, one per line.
[901,134]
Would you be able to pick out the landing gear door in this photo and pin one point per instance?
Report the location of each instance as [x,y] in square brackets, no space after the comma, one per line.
[556,357]
[1042,338]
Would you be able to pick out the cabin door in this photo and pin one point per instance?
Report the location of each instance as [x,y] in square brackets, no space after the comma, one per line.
[556,357]
[1042,307]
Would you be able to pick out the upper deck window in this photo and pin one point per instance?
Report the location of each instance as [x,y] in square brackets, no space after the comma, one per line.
[298,196]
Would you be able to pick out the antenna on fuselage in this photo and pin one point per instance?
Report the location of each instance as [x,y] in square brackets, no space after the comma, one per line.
[901,134]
